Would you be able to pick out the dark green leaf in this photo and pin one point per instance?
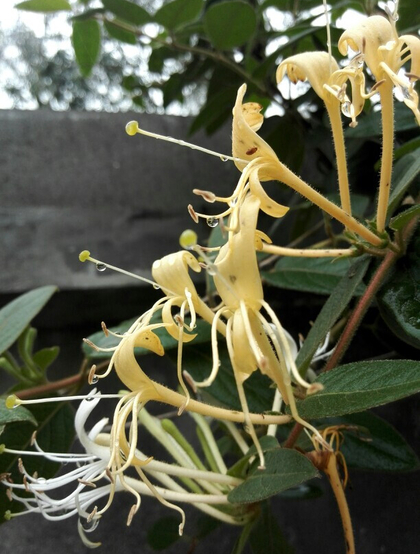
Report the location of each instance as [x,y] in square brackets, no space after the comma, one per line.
[375,445]
[163,533]
[128,11]
[86,43]
[88,14]
[20,413]
[178,13]
[44,6]
[45,357]
[284,469]
[359,386]
[115,31]
[399,298]
[369,125]
[317,275]
[202,330]
[404,173]
[286,136]
[331,311]
[266,536]
[16,316]
[230,24]
[400,221]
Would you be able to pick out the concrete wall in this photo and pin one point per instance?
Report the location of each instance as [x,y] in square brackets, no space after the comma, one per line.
[73,181]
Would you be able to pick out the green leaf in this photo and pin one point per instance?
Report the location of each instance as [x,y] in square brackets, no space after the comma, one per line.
[116,32]
[45,357]
[316,275]
[400,221]
[331,311]
[375,445]
[86,43]
[203,331]
[399,298]
[403,175]
[55,433]
[266,536]
[178,13]
[16,316]
[44,6]
[128,11]
[369,125]
[19,413]
[163,533]
[359,386]
[284,469]
[230,24]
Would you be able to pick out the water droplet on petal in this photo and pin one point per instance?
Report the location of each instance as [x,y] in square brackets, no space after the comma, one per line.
[94,380]
[224,158]
[156,286]
[100,267]
[212,222]
[346,109]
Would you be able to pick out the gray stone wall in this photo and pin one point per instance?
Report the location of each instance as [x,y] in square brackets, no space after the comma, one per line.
[73,181]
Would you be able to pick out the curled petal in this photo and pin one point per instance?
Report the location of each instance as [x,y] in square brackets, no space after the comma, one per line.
[171,273]
[170,325]
[367,37]
[127,367]
[246,144]
[316,67]
[267,204]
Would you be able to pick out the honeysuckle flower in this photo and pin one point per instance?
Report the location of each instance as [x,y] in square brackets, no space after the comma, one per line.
[251,340]
[263,165]
[385,53]
[330,84]
[95,477]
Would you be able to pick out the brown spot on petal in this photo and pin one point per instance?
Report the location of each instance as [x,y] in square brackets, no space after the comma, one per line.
[251,151]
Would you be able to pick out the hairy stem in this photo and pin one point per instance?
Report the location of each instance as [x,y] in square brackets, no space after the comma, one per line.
[340,154]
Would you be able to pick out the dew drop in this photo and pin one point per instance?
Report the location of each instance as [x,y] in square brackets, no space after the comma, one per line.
[211,270]
[156,286]
[94,380]
[41,481]
[224,158]
[100,267]
[346,109]
[89,398]
[212,222]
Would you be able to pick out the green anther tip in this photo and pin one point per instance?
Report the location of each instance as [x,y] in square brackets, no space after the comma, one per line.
[83,256]
[188,238]
[7,515]
[2,447]
[132,128]
[12,401]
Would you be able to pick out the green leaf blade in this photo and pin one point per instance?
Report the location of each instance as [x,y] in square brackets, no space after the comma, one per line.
[315,275]
[130,12]
[230,24]
[358,386]
[178,13]
[16,316]
[44,6]
[284,469]
[86,40]
[17,414]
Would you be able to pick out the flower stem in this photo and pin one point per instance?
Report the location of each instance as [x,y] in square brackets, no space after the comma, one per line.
[340,155]
[308,252]
[387,111]
[331,472]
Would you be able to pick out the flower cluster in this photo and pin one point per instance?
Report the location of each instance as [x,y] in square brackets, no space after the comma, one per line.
[244,320]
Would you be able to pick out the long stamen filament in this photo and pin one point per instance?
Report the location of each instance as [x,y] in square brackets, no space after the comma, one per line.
[132,128]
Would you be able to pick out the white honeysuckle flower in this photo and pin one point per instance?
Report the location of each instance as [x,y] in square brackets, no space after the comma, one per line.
[95,477]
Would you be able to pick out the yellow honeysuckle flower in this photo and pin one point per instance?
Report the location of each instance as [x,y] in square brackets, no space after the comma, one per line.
[264,165]
[385,53]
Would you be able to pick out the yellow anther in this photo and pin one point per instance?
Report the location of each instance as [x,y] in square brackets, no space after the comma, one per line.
[7,515]
[12,401]
[188,239]
[85,255]
[132,128]
[2,447]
